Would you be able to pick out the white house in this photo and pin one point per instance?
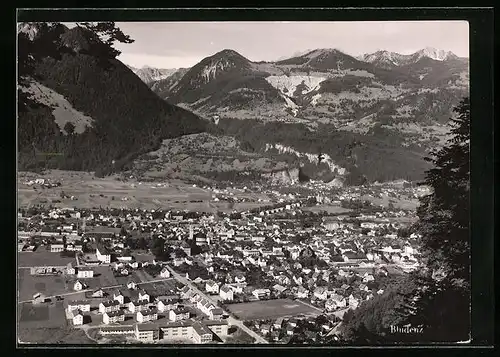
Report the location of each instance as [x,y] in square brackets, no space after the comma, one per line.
[211,287]
[118,296]
[226,293]
[79,286]
[132,285]
[166,305]
[260,293]
[113,317]
[109,306]
[353,301]
[215,314]
[240,278]
[103,255]
[165,273]
[85,273]
[205,306]
[56,248]
[143,296]
[302,293]
[70,270]
[99,293]
[363,287]
[321,293]
[336,301]
[135,306]
[81,305]
[76,317]
[146,315]
[178,314]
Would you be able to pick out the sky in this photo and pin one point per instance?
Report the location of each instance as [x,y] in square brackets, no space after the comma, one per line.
[183,44]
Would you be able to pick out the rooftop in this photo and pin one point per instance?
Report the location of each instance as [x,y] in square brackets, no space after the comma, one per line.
[115,313]
[147,327]
[201,329]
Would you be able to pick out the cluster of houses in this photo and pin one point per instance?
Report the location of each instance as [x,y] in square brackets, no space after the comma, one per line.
[281,330]
[355,250]
[207,307]
[147,327]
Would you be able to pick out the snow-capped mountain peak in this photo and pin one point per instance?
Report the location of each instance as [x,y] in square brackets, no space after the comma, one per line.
[150,74]
[435,54]
[387,58]
[382,56]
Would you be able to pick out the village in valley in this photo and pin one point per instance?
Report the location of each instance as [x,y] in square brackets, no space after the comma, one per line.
[284,271]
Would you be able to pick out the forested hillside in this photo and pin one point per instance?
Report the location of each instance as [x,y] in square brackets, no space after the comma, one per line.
[378,156]
[128,118]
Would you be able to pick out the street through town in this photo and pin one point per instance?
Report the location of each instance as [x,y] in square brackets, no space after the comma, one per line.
[231,320]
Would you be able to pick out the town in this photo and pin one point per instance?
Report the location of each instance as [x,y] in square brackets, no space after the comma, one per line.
[283,272]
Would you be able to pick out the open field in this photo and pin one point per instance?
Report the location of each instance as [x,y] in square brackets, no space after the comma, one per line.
[166,288]
[327,208]
[64,335]
[144,257]
[103,276]
[406,204]
[46,315]
[123,280]
[42,258]
[270,309]
[90,192]
[47,285]
[142,275]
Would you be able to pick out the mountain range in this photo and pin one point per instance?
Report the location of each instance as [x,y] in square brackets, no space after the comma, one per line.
[394,111]
[322,114]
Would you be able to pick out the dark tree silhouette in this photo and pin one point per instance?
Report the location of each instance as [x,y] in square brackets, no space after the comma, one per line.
[442,304]
[444,214]
[106,34]
[437,297]
[69,128]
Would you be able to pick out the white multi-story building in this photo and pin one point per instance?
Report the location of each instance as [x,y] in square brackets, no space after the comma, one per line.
[85,273]
[103,254]
[146,316]
[113,317]
[81,305]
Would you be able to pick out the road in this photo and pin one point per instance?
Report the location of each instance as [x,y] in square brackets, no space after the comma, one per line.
[311,306]
[231,320]
[335,329]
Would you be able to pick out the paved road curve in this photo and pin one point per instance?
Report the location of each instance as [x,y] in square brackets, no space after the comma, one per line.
[231,320]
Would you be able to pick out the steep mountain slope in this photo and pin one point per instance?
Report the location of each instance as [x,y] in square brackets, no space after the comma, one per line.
[124,117]
[225,82]
[162,87]
[149,74]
